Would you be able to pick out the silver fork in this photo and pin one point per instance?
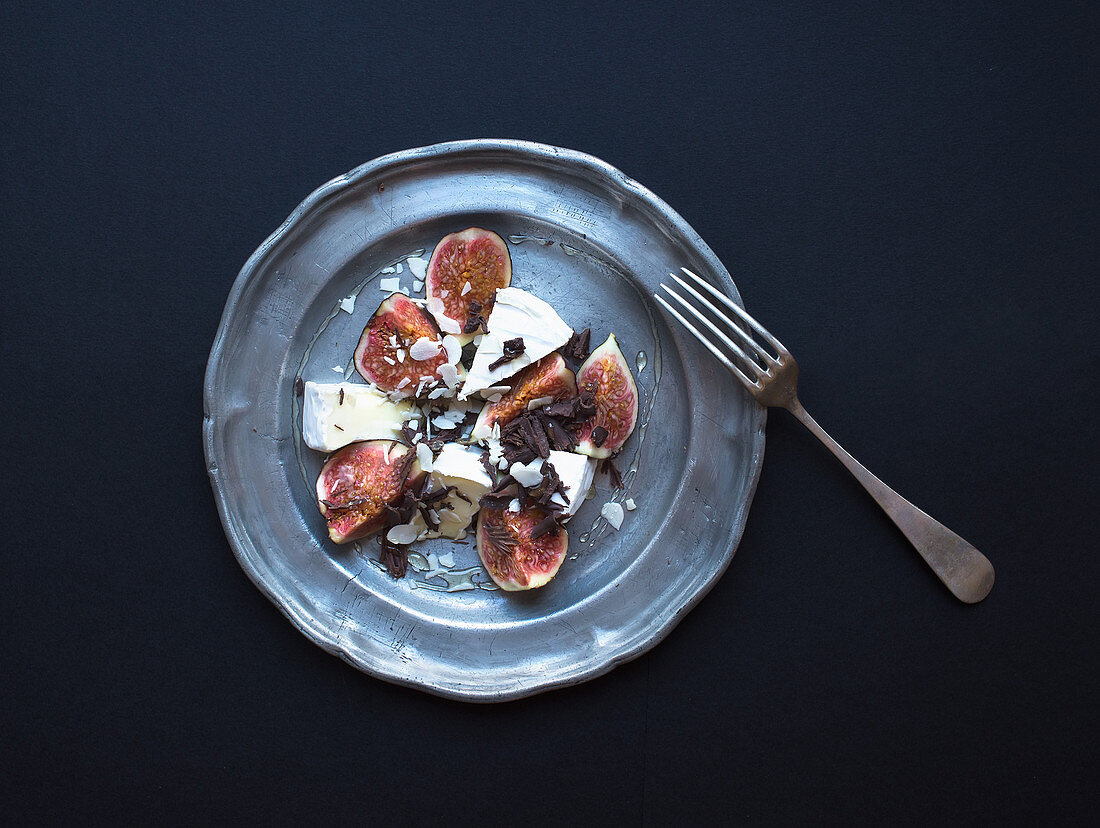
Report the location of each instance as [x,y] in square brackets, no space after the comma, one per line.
[773,381]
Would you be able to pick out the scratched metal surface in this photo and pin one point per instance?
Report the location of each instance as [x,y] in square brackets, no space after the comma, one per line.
[594,244]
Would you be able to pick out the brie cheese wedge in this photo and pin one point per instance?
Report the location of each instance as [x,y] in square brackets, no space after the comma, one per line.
[335,414]
[458,466]
[516,313]
[576,472]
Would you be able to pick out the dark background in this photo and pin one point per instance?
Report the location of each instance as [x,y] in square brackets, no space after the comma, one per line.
[907,195]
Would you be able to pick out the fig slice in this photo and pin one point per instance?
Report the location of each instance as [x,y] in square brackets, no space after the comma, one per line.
[549,377]
[358,482]
[606,374]
[475,257]
[513,559]
[384,355]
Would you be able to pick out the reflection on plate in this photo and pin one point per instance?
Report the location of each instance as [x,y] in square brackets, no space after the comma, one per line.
[592,243]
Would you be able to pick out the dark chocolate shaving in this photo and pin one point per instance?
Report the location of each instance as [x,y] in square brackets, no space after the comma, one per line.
[341,400]
[334,425]
[408,433]
[503,483]
[500,537]
[395,558]
[493,501]
[512,348]
[599,436]
[612,472]
[343,507]
[577,348]
[299,386]
[487,464]
[545,526]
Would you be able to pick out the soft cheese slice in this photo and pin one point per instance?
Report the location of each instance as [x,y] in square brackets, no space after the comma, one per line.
[330,422]
[459,466]
[515,313]
[576,472]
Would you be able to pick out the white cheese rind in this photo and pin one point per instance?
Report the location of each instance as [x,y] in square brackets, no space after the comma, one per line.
[364,414]
[515,313]
[577,472]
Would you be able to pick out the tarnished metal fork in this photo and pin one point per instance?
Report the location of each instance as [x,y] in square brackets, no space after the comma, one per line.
[773,381]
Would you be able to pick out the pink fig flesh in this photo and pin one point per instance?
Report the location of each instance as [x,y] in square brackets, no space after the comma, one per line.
[513,559]
[475,257]
[383,357]
[359,481]
[606,374]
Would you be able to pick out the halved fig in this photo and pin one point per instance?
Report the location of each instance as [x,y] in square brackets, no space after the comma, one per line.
[384,356]
[359,481]
[607,375]
[549,377]
[475,257]
[514,559]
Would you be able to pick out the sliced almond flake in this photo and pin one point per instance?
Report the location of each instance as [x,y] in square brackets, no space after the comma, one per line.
[389,285]
[339,369]
[453,348]
[398,268]
[403,383]
[424,456]
[514,505]
[400,354]
[613,513]
[417,437]
[403,533]
[477,339]
[527,475]
[630,504]
[389,360]
[436,393]
[494,389]
[390,269]
[447,559]
[495,398]
[466,288]
[347,304]
[417,284]
[414,425]
[539,402]
[393,340]
[449,373]
[423,349]
[448,325]
[418,266]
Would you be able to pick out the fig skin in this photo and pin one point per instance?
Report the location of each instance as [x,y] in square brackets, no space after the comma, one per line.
[397,315]
[359,474]
[607,374]
[531,563]
[475,255]
[549,377]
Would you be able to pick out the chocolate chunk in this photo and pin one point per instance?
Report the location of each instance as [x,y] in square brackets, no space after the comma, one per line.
[395,558]
[476,306]
[545,526]
[487,464]
[612,473]
[512,348]
[578,346]
[599,436]
[299,386]
[491,501]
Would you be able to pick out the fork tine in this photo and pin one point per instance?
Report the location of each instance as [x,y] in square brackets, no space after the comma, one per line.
[751,364]
[756,326]
[707,343]
[706,303]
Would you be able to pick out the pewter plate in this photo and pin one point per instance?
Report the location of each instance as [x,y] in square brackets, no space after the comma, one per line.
[593,243]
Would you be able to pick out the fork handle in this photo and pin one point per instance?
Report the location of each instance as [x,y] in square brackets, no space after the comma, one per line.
[962,568]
